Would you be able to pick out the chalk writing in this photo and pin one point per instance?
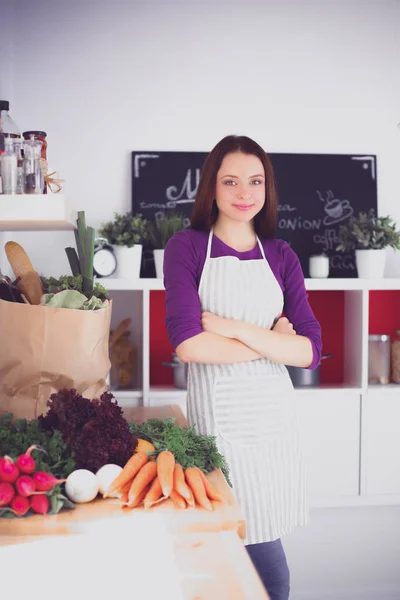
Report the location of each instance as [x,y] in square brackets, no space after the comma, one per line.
[187,193]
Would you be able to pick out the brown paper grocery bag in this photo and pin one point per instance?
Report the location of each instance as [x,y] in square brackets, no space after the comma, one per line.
[44,349]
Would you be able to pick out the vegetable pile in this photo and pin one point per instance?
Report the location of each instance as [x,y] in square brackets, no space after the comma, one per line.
[24,489]
[83,448]
[146,481]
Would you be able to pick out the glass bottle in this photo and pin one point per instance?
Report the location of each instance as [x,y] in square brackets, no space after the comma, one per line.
[32,168]
[379,359]
[9,167]
[8,125]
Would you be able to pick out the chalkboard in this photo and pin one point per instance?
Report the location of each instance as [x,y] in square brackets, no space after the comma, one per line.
[316,192]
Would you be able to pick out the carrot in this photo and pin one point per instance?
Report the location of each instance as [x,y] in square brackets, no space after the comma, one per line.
[123,492]
[179,482]
[177,499]
[197,486]
[190,501]
[145,476]
[211,491]
[154,494]
[131,468]
[139,499]
[165,471]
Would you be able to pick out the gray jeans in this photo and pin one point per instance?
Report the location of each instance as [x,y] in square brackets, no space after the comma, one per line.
[269,560]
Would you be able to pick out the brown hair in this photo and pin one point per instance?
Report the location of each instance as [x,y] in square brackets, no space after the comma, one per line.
[205,211]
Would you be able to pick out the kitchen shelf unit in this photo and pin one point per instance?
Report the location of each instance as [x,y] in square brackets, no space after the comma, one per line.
[356,329]
[349,430]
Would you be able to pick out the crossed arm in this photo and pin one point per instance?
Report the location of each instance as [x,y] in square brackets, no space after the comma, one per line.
[225,341]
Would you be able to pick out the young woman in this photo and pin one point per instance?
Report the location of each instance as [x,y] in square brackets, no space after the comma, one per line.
[228,280]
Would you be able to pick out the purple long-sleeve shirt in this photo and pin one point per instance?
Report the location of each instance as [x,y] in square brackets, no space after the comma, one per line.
[184,259]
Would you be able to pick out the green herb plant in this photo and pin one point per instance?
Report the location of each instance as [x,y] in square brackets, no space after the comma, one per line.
[367,231]
[125,230]
[17,437]
[189,448]
[164,228]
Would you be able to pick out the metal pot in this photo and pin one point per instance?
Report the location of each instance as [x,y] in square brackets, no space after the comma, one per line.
[305,377]
[180,371]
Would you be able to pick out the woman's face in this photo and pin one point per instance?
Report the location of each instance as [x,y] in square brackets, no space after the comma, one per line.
[240,187]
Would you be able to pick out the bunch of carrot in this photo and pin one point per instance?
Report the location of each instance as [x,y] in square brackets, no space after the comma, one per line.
[147,481]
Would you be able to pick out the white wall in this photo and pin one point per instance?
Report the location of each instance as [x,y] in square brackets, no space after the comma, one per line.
[105,78]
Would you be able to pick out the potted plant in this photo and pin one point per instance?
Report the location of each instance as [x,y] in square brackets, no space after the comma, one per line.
[160,231]
[369,236]
[126,234]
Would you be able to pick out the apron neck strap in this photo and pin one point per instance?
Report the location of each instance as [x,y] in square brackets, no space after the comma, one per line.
[210,236]
[261,248]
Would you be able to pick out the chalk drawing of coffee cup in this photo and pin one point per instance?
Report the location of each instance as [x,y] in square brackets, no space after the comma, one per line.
[336,209]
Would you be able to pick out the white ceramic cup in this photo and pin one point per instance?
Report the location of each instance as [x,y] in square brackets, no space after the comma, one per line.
[319,266]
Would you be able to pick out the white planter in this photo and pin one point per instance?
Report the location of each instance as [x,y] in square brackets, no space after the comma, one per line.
[128,261]
[371,263]
[159,263]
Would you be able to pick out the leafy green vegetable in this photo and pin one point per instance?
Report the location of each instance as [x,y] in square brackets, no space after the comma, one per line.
[72,282]
[189,448]
[58,500]
[73,299]
[17,437]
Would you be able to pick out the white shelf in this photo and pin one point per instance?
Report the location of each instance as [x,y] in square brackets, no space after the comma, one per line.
[160,392]
[36,212]
[385,388]
[114,283]
[122,394]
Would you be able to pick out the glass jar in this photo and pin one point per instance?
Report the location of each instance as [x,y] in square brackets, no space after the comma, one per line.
[396,358]
[38,135]
[378,359]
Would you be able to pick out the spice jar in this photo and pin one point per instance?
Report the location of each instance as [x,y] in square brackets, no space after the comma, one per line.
[38,135]
[379,359]
[396,358]
[32,168]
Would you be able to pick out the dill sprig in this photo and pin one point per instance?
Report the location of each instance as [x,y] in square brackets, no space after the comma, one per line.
[189,447]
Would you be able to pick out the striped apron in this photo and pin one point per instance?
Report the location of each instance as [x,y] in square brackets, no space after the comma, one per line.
[249,407]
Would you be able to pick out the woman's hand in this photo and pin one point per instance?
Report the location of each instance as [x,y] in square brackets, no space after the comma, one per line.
[214,324]
[283,325]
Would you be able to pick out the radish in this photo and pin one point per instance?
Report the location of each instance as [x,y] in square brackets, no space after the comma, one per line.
[40,504]
[25,462]
[20,505]
[25,485]
[8,470]
[7,493]
[45,481]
